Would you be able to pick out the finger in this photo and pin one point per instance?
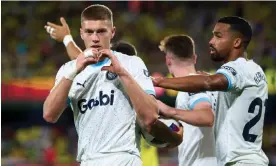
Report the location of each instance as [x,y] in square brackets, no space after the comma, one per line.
[52,25]
[54,37]
[63,22]
[90,60]
[106,53]
[48,28]
[52,30]
[152,78]
[108,68]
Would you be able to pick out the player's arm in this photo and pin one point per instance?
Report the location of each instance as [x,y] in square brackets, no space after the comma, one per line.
[144,105]
[62,33]
[56,101]
[194,83]
[200,115]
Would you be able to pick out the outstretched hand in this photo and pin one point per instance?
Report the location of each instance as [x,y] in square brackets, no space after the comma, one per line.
[58,32]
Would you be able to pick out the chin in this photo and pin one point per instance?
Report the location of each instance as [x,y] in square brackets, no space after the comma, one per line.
[216,58]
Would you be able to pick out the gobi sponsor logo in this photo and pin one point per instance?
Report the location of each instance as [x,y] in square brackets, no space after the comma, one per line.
[104,99]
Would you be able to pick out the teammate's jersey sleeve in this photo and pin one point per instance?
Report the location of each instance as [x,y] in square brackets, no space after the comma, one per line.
[139,72]
[234,74]
[195,98]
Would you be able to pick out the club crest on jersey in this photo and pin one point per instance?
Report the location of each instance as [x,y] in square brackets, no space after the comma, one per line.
[146,73]
[231,69]
[111,76]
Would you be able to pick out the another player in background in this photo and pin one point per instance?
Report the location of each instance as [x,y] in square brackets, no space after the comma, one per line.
[106,103]
[242,97]
[194,110]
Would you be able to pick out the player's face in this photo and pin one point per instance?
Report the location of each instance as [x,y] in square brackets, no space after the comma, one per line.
[221,43]
[97,33]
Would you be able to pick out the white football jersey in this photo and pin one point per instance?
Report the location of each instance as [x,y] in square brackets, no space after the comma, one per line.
[240,113]
[103,114]
[198,146]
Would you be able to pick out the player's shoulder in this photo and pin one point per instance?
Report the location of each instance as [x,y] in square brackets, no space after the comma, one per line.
[66,66]
[69,64]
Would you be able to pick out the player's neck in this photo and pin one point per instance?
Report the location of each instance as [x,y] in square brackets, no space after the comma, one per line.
[181,71]
[235,54]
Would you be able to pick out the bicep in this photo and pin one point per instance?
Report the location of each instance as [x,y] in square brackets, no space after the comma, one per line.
[203,106]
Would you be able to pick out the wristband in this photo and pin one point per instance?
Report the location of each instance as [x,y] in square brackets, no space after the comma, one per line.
[67,39]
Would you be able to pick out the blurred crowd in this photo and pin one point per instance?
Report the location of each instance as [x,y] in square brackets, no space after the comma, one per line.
[28,51]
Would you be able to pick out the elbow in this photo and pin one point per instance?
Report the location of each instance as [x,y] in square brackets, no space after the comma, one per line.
[47,115]
[150,121]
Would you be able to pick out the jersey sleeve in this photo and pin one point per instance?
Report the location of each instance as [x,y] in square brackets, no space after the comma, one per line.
[59,76]
[236,80]
[195,98]
[139,72]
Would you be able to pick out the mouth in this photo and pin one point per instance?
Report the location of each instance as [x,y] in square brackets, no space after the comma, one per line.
[95,46]
[212,50]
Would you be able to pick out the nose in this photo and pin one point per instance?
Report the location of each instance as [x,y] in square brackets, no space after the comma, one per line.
[95,38]
[211,42]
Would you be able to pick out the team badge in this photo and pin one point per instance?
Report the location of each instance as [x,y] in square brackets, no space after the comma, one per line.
[111,76]
[146,73]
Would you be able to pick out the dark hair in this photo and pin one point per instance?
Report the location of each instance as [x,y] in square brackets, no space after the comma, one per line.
[124,47]
[97,12]
[240,25]
[181,46]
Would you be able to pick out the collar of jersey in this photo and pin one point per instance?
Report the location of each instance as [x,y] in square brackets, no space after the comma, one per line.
[101,63]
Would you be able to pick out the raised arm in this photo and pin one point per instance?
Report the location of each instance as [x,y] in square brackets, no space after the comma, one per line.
[61,33]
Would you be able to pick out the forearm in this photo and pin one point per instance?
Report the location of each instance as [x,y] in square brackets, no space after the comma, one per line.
[203,118]
[73,50]
[56,102]
[144,105]
[161,132]
[187,84]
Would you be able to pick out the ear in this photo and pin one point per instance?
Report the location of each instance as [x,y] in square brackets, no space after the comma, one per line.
[81,33]
[113,32]
[237,43]
[168,61]
[194,58]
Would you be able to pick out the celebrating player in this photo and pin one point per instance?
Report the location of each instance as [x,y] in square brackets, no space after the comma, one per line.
[106,94]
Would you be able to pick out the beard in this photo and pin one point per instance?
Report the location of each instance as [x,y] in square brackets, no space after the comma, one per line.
[215,55]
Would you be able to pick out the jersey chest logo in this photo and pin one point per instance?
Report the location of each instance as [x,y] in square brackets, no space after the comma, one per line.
[111,76]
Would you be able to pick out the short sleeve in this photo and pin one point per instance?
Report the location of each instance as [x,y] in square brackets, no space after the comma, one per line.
[139,71]
[59,76]
[230,71]
[195,98]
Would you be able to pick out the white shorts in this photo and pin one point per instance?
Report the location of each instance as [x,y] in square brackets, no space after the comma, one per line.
[118,159]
